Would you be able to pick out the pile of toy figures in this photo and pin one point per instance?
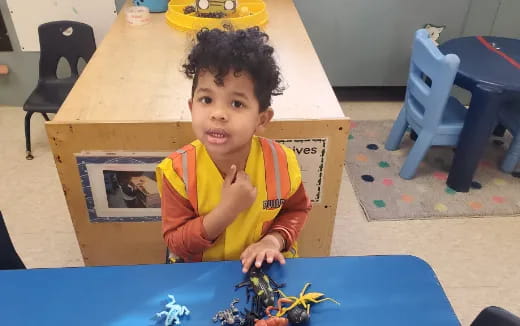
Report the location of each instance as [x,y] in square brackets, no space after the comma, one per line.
[270,306]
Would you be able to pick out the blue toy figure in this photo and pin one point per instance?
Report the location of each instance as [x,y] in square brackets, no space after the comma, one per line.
[173,312]
[153,5]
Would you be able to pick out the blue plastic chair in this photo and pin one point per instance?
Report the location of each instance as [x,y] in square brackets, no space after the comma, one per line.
[428,108]
[510,118]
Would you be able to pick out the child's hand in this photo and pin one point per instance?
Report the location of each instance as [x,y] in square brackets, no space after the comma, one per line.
[238,194]
[268,248]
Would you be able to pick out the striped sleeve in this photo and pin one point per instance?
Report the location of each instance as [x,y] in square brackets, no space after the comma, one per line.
[292,217]
[182,229]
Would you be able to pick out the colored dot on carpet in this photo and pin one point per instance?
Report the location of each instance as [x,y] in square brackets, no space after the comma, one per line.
[362,158]
[384,164]
[367,178]
[388,182]
[475,205]
[516,174]
[379,203]
[407,198]
[499,182]
[350,137]
[372,147]
[450,191]
[441,207]
[440,176]
[476,185]
[353,124]
[498,199]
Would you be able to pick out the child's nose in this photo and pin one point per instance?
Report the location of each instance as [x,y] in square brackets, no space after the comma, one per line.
[219,113]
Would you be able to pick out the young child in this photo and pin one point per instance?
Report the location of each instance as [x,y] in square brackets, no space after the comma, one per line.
[230,194]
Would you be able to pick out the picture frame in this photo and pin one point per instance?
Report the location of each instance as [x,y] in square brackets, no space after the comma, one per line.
[120,186]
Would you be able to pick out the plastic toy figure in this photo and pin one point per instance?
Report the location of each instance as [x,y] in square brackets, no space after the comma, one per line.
[298,315]
[260,284]
[271,320]
[173,313]
[304,300]
[250,318]
[229,316]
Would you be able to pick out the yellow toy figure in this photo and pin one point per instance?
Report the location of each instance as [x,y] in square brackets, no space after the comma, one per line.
[294,311]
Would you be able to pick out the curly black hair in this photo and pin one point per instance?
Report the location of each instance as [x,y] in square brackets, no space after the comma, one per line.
[240,50]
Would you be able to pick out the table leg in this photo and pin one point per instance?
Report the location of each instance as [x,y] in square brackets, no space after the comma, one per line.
[480,121]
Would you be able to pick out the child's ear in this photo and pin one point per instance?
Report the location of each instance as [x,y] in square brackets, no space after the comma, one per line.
[263,119]
[190,103]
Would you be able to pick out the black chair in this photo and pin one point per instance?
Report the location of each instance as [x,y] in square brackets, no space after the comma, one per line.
[9,259]
[70,40]
[495,316]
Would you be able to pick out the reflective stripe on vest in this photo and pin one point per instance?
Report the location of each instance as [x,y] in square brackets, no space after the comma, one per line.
[277,179]
[276,173]
[185,167]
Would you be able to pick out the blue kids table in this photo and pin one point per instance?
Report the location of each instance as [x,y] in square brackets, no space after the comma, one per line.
[372,290]
[490,70]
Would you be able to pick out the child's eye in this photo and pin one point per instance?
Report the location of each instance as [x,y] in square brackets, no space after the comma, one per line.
[237,104]
[205,100]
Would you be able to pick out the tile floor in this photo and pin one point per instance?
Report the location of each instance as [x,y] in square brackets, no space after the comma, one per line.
[475,259]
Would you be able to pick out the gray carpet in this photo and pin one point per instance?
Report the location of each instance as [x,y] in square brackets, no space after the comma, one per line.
[374,173]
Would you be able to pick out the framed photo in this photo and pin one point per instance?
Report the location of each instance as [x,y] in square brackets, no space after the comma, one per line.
[120,187]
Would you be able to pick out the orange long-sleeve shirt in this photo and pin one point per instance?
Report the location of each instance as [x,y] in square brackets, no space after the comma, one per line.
[184,233]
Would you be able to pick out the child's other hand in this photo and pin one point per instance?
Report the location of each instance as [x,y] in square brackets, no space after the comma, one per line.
[268,249]
[238,194]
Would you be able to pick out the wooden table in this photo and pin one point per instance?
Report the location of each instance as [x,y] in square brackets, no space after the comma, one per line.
[133,97]
[372,290]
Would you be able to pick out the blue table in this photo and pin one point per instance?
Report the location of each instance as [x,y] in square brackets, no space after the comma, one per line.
[373,290]
[490,70]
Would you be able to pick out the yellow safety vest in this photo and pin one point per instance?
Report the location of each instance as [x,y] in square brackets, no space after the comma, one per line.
[272,169]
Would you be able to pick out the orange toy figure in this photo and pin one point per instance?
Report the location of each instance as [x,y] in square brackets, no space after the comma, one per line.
[271,320]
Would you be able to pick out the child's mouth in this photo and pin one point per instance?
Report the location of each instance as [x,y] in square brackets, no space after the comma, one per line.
[217,136]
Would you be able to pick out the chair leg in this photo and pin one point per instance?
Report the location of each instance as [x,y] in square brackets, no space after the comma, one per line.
[416,155]
[28,154]
[513,155]
[45,116]
[396,134]
[499,131]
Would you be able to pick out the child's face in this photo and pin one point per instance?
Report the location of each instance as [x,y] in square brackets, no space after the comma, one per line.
[225,117]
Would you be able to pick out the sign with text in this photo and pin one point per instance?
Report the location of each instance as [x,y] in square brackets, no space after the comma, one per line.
[311,156]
